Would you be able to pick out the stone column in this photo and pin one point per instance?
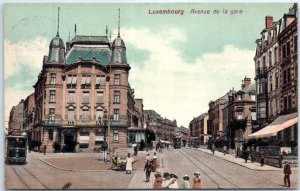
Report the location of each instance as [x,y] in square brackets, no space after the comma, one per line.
[92,138]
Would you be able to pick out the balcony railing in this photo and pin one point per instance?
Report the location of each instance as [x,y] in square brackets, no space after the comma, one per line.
[262,71]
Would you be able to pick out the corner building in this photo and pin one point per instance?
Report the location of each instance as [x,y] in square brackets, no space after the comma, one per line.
[78,84]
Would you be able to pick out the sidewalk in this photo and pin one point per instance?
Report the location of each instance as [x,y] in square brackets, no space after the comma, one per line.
[138,180]
[241,162]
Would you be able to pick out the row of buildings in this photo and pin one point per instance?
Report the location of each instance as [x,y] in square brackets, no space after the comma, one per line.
[266,108]
[82,95]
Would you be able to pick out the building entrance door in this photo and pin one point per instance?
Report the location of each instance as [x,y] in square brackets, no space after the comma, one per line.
[69,141]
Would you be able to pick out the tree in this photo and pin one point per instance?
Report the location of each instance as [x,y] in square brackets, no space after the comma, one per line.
[150,136]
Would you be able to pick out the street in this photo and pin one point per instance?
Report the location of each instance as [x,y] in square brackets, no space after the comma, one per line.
[215,172]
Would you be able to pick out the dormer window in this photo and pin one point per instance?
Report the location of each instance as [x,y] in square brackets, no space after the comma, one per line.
[71,81]
[86,81]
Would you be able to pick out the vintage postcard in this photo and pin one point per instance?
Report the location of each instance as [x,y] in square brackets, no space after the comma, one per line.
[150,96]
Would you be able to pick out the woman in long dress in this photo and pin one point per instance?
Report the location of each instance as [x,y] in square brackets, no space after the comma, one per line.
[197,181]
[158,181]
[129,161]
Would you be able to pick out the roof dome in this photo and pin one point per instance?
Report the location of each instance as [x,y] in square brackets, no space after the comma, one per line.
[118,42]
[56,50]
[57,41]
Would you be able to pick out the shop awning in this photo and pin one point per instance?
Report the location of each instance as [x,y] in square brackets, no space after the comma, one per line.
[84,140]
[282,122]
[99,138]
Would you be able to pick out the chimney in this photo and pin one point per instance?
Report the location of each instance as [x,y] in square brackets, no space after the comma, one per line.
[269,22]
[247,81]
[243,85]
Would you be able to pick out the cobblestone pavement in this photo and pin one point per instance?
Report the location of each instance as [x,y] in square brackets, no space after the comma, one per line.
[217,171]
[86,163]
[39,175]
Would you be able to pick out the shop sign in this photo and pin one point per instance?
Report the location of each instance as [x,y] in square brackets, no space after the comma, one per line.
[83,123]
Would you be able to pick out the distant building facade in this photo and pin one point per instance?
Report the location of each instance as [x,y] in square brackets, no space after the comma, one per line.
[28,115]
[198,130]
[15,122]
[241,113]
[279,40]
[164,129]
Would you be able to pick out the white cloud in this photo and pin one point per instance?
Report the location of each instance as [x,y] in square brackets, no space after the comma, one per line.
[29,52]
[16,55]
[180,90]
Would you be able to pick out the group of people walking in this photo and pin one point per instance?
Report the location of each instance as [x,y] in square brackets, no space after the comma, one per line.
[169,181]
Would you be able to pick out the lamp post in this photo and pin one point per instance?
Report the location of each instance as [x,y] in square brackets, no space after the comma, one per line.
[104,145]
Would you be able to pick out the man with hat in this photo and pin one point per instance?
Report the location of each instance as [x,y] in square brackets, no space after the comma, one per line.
[197,181]
[287,172]
[186,183]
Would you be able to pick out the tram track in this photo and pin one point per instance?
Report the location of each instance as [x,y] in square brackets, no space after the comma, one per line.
[208,171]
[19,177]
[21,172]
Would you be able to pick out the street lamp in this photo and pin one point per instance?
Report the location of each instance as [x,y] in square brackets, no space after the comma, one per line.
[104,145]
[105,122]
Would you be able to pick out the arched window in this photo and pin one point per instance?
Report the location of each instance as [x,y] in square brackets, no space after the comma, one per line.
[99,113]
[85,113]
[71,113]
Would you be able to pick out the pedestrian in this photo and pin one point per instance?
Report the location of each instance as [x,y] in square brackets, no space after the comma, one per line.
[104,150]
[135,149]
[129,161]
[246,154]
[287,173]
[173,179]
[280,159]
[45,149]
[262,157]
[186,182]
[252,154]
[148,169]
[238,152]
[154,160]
[147,157]
[157,147]
[225,149]
[167,181]
[167,145]
[157,181]
[213,148]
[160,147]
[197,181]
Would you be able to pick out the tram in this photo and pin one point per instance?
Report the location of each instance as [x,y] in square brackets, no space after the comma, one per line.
[16,148]
[177,143]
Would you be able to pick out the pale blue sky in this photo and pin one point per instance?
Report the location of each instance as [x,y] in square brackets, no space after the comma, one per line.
[179,62]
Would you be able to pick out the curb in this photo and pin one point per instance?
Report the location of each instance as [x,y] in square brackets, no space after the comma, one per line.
[73,170]
[238,163]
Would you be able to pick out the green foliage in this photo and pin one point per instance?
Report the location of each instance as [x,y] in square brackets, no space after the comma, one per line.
[56,146]
[293,143]
[150,135]
[142,145]
[280,143]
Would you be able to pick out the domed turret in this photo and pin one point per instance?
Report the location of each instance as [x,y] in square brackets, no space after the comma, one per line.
[118,51]
[56,50]
[56,47]
[118,42]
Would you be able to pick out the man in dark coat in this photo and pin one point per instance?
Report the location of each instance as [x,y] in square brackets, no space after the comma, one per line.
[104,149]
[246,154]
[148,169]
[287,172]
[262,157]
[280,159]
